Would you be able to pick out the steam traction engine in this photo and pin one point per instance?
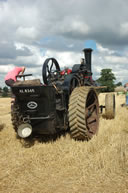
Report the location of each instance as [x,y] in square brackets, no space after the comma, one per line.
[67,99]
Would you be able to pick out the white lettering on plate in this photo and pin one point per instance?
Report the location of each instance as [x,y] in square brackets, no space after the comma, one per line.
[26,90]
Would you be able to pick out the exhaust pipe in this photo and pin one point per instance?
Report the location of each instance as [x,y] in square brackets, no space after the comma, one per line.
[24,130]
[87,55]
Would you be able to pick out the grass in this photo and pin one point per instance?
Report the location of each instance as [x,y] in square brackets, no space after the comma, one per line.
[65,165]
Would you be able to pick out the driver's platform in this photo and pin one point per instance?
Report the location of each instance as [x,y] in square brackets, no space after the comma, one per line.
[35,82]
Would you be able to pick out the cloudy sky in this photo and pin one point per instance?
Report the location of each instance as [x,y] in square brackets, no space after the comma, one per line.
[33,30]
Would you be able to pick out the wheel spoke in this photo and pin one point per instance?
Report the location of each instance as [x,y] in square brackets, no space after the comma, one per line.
[91,114]
[93,104]
[92,122]
[93,117]
[89,97]
[48,69]
[51,66]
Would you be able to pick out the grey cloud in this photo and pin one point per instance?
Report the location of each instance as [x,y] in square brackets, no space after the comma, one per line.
[9,51]
[69,20]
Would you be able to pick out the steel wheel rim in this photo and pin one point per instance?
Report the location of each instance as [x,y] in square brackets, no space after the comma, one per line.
[92,113]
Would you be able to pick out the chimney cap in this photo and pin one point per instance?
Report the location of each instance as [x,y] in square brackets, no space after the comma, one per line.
[88,49]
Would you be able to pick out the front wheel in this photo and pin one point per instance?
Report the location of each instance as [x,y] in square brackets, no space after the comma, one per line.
[83,113]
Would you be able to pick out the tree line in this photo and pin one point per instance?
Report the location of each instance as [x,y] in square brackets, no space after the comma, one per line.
[107,78]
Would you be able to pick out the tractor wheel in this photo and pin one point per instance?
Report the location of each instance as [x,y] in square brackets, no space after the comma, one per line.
[109,106]
[15,115]
[83,113]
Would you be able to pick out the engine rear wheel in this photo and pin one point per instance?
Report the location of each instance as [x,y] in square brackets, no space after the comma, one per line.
[109,106]
[83,113]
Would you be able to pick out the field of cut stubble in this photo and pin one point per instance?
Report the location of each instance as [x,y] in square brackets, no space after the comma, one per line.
[64,165]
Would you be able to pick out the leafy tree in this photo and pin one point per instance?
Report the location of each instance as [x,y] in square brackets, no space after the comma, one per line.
[107,79]
[5,91]
[119,84]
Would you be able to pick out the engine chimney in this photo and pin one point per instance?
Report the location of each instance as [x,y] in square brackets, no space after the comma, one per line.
[87,55]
